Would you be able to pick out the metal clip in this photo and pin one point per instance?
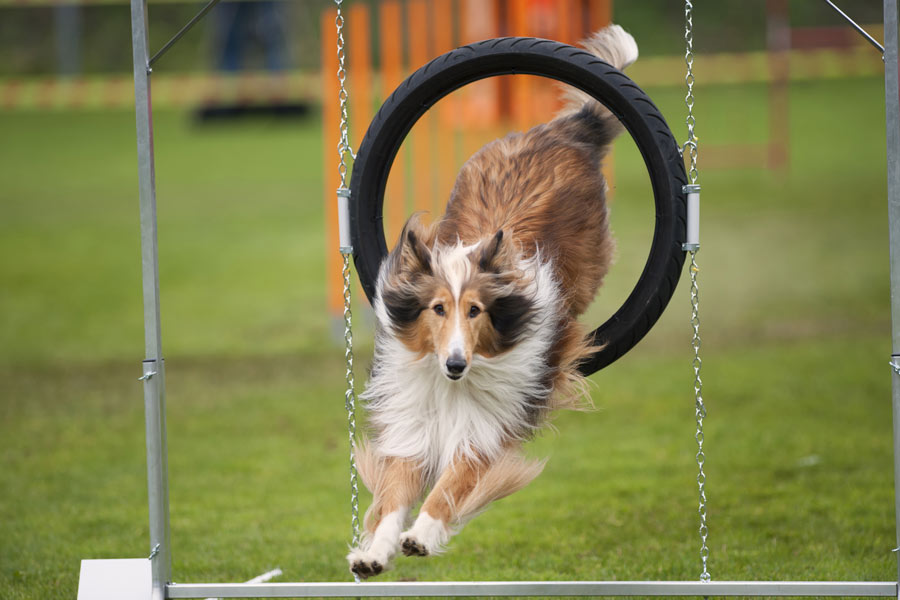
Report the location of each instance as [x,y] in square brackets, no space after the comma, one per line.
[153,552]
[895,367]
[692,226]
[343,198]
[147,376]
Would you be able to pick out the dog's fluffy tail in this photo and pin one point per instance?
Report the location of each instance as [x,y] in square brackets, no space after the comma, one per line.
[615,46]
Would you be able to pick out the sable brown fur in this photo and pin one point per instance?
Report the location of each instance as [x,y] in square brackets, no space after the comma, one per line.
[394,483]
[466,489]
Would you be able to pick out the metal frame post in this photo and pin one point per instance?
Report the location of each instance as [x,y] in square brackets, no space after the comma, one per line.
[892,120]
[153,366]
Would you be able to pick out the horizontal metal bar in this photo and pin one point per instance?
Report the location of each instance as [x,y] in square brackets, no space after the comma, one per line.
[855,26]
[533,588]
[182,31]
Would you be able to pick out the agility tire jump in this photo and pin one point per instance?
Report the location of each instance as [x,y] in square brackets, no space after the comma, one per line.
[568,64]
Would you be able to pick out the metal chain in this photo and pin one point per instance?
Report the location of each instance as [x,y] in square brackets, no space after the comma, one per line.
[699,413]
[699,407]
[691,144]
[350,393]
[350,403]
[344,147]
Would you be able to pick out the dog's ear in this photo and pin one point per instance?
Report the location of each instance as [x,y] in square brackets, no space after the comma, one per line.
[419,254]
[411,254]
[492,254]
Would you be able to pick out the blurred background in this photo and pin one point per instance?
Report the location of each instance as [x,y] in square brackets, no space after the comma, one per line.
[794,287]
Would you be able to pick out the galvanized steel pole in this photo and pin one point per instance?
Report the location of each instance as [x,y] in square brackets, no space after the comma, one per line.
[153,367]
[892,119]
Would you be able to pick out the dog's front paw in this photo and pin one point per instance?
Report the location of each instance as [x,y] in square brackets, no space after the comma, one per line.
[426,537]
[412,546]
[367,564]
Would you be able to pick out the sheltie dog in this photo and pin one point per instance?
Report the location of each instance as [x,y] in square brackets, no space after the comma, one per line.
[477,337]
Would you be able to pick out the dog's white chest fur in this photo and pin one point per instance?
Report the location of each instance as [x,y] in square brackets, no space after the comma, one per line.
[416,412]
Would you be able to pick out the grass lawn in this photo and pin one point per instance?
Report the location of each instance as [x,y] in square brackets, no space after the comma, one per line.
[795,324]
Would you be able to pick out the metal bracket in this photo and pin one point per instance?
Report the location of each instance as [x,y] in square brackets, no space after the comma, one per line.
[147,376]
[856,26]
[181,33]
[154,552]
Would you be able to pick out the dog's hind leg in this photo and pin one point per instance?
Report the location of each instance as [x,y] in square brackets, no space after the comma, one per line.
[461,493]
[396,485]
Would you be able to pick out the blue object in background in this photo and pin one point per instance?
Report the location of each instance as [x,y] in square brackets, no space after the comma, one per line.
[240,25]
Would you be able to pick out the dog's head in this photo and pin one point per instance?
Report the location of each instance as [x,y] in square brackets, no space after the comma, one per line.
[453,301]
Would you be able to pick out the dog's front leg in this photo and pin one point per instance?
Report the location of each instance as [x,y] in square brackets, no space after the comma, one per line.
[440,511]
[461,492]
[396,485]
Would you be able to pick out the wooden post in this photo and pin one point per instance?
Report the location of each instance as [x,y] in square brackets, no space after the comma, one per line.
[523,86]
[331,119]
[478,21]
[422,160]
[599,14]
[447,122]
[390,20]
[359,72]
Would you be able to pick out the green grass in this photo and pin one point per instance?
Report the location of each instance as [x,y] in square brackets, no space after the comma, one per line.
[794,279]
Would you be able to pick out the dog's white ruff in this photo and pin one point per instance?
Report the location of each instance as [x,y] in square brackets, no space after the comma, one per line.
[419,414]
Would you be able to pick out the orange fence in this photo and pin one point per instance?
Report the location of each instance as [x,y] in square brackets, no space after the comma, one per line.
[410,34]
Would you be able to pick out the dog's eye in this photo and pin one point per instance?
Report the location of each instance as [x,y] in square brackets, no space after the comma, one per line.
[439,309]
[474,312]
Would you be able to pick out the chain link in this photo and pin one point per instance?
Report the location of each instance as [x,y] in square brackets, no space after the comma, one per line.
[344,147]
[699,413]
[350,393]
[691,144]
[699,407]
[350,403]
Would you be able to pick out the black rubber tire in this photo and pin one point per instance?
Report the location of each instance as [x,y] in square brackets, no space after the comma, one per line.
[578,68]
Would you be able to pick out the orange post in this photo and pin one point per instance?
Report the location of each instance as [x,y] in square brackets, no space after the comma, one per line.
[420,137]
[599,14]
[448,121]
[478,21]
[331,119]
[523,85]
[359,70]
[442,25]
[565,15]
[390,20]
[481,99]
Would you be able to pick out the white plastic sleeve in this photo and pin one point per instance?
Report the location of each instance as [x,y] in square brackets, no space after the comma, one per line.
[343,198]
[693,218]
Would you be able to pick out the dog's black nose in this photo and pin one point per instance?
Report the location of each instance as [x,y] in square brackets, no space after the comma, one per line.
[456,365]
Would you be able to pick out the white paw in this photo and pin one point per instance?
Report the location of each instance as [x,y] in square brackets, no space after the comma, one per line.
[412,546]
[366,563]
[427,536]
